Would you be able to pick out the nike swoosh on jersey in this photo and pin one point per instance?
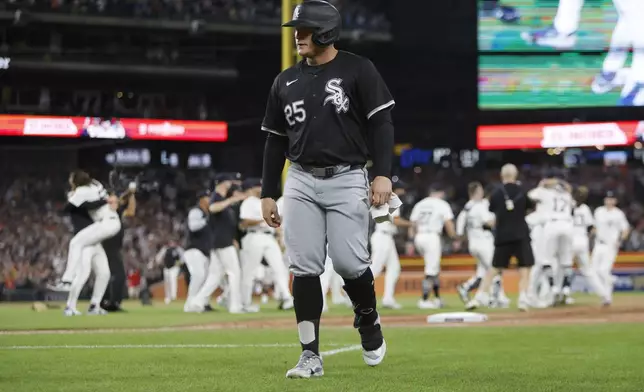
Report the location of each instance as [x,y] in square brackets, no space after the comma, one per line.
[291,82]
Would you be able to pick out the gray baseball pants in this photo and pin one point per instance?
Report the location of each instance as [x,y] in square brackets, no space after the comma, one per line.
[319,210]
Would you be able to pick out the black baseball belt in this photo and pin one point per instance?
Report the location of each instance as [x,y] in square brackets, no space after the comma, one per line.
[327,171]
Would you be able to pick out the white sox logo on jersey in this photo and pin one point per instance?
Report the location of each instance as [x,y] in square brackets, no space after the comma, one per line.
[336,95]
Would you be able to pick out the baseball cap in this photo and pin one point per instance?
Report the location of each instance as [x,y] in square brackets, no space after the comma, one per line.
[251,183]
[610,194]
[203,193]
[227,176]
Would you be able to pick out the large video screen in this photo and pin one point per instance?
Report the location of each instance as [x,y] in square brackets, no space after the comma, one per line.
[560,53]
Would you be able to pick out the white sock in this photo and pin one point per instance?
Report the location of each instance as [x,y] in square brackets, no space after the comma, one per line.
[568,15]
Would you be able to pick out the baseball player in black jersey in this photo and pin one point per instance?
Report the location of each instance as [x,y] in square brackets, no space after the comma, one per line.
[328,115]
[125,205]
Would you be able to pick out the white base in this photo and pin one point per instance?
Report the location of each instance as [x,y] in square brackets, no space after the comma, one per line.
[457,317]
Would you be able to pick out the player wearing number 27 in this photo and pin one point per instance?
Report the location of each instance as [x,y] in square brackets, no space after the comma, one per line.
[428,217]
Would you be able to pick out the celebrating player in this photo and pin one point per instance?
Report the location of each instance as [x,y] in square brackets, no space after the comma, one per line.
[258,243]
[85,250]
[171,257]
[223,256]
[554,196]
[583,221]
[328,115]
[199,244]
[472,221]
[612,229]
[429,216]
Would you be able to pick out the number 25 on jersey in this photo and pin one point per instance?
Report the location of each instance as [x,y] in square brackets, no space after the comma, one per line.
[295,113]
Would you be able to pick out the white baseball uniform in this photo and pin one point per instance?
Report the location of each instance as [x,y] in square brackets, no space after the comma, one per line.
[480,241]
[85,250]
[536,221]
[385,255]
[609,226]
[556,206]
[429,215]
[196,257]
[258,243]
[583,220]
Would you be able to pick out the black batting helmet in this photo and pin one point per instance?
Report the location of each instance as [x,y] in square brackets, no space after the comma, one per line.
[322,17]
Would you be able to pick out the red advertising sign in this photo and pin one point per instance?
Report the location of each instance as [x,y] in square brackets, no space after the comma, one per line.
[508,137]
[109,128]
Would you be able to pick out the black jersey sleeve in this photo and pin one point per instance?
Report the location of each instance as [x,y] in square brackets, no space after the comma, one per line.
[372,90]
[274,117]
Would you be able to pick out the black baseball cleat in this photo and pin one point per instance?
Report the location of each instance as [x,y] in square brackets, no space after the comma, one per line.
[374,346]
[208,308]
[112,307]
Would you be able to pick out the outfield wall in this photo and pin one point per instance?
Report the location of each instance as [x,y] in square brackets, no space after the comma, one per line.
[455,269]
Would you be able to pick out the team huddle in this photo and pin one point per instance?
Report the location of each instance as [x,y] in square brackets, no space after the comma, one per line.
[561,225]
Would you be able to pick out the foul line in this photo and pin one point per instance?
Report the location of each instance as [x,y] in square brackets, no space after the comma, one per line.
[177,346]
[340,350]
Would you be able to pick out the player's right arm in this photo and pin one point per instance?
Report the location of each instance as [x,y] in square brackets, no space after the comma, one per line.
[218,206]
[276,145]
[196,220]
[448,220]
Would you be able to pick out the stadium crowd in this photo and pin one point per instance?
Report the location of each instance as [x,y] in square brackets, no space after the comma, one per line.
[34,236]
[357,14]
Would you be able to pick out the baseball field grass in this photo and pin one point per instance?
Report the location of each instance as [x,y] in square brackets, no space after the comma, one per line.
[159,348]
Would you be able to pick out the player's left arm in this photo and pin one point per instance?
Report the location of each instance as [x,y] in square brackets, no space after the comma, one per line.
[127,204]
[448,220]
[377,102]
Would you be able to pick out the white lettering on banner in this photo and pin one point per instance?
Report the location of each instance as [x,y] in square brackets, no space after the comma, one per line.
[164,129]
[199,161]
[129,157]
[4,62]
[583,135]
[49,127]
